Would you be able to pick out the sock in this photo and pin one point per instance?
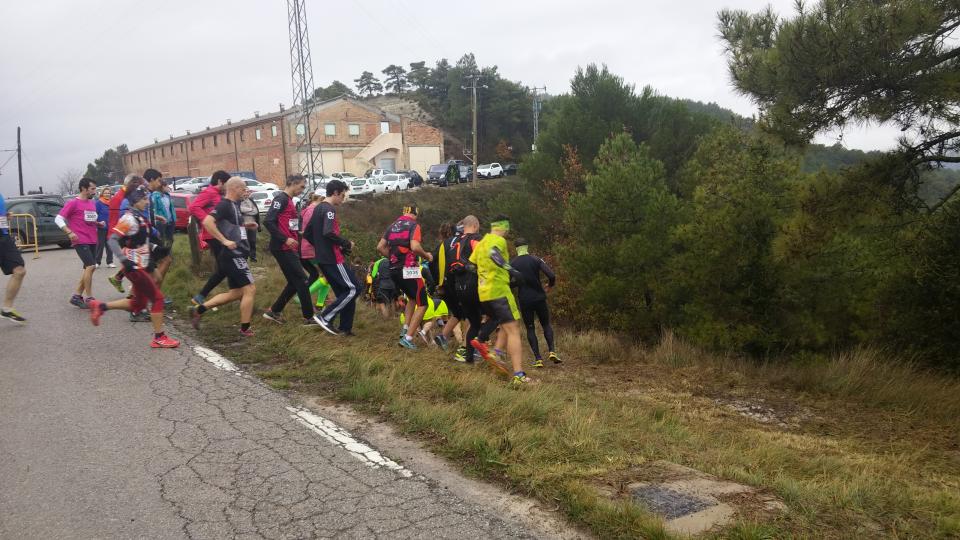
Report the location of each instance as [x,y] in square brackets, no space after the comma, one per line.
[158,335]
[244,326]
[201,309]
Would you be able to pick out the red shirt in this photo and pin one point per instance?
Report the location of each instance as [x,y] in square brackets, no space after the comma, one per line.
[200,207]
[114,207]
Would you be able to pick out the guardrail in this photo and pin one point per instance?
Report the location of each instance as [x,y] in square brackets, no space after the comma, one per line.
[24,229]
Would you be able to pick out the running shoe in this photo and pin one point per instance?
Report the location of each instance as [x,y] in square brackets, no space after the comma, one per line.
[116,283]
[246,333]
[326,326]
[348,333]
[538,362]
[96,310]
[554,358]
[167,302]
[143,316]
[111,265]
[198,299]
[441,341]
[309,321]
[520,379]
[77,300]
[489,357]
[164,342]
[275,317]
[318,306]
[13,316]
[194,317]
[460,355]
[424,337]
[407,343]
[87,301]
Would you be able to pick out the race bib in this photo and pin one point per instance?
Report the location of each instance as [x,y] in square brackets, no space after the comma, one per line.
[411,272]
[294,225]
[243,233]
[89,216]
[139,257]
[3,223]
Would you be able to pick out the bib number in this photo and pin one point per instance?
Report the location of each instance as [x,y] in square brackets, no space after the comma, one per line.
[243,233]
[411,272]
[89,216]
[3,223]
[294,225]
[139,257]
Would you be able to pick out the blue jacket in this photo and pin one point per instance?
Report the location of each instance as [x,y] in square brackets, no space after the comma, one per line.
[103,212]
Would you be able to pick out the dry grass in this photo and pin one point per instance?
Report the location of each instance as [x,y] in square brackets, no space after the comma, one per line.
[876,456]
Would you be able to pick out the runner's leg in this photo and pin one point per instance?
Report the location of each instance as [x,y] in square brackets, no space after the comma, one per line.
[13,286]
[543,313]
[527,313]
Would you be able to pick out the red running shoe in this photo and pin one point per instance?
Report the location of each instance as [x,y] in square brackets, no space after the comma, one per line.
[164,342]
[96,310]
[246,333]
[490,359]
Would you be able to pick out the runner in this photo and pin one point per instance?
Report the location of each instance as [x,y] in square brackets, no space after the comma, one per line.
[251,220]
[11,263]
[447,282]
[318,284]
[199,208]
[401,244]
[165,222]
[225,225]
[78,219]
[324,233]
[496,298]
[130,242]
[283,223]
[384,289]
[465,279]
[533,299]
[130,183]
[103,220]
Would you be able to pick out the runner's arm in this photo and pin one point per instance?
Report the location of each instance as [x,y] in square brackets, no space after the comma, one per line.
[210,225]
[383,248]
[198,205]
[272,216]
[328,230]
[547,271]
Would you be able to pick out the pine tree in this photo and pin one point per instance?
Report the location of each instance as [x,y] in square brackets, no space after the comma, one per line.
[368,85]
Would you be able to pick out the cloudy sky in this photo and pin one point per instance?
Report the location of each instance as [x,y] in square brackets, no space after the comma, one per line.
[80,77]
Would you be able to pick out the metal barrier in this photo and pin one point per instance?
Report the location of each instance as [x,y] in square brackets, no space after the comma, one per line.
[23,227]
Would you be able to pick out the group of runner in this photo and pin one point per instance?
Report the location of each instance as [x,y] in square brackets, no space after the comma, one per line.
[474,285]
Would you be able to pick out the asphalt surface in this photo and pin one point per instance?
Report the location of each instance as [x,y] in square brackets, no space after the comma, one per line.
[103,437]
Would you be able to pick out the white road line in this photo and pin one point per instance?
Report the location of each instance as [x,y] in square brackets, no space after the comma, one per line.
[215,359]
[340,437]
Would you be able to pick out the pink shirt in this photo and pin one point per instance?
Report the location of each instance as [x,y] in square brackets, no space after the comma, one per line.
[307,250]
[81,218]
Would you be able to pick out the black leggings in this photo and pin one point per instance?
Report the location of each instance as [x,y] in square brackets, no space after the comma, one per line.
[542,312]
[217,276]
[312,271]
[470,304]
[292,268]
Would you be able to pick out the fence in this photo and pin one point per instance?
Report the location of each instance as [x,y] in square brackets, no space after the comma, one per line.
[23,227]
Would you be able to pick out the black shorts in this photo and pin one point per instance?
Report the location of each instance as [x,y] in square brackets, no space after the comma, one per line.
[235,268]
[160,252]
[10,257]
[86,254]
[415,289]
[502,310]
[452,300]
[384,296]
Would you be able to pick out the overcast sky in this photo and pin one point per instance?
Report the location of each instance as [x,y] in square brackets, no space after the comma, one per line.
[80,77]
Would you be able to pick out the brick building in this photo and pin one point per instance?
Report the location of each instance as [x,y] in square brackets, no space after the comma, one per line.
[349,134]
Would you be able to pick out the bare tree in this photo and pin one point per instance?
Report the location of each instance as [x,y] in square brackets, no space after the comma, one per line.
[68,182]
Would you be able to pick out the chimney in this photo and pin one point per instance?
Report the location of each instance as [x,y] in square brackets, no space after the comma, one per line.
[208,128]
[256,114]
[188,132]
[171,136]
[155,140]
[281,107]
[229,122]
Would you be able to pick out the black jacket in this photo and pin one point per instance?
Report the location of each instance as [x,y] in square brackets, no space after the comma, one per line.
[529,287]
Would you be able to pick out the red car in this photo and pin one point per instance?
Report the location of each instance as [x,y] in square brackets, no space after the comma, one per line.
[180,202]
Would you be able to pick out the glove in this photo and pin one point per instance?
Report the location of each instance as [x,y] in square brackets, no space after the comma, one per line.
[128,265]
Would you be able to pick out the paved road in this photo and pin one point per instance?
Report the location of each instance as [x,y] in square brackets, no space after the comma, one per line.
[102,437]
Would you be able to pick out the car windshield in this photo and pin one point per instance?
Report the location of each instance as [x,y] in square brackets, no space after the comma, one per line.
[258,195]
[438,168]
[390,178]
[359,182]
[252,183]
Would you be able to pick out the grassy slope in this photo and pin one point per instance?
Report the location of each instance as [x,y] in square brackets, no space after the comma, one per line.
[874,452]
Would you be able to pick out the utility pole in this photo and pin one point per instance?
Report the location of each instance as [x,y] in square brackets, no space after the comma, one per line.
[537,106]
[19,161]
[473,88]
[301,72]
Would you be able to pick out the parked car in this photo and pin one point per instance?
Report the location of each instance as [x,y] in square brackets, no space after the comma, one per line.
[395,182]
[194,185]
[415,179]
[436,174]
[510,169]
[490,170]
[44,208]
[376,173]
[345,176]
[262,199]
[362,187]
[256,185]
[180,203]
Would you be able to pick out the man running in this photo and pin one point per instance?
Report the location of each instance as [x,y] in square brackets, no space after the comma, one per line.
[130,242]
[532,299]
[130,183]
[200,208]
[78,219]
[401,244]
[283,223]
[447,282]
[465,283]
[225,225]
[330,248]
[496,298]
[11,263]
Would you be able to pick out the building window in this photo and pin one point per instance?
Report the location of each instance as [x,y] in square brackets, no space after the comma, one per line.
[162,153]
[138,158]
[203,142]
[301,130]
[228,137]
[384,127]
[257,133]
[191,144]
[330,130]
[214,140]
[181,148]
[154,152]
[273,130]
[353,130]
[241,136]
